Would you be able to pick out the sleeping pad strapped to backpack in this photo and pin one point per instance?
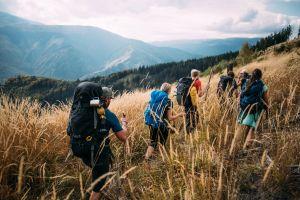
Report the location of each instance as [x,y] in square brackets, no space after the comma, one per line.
[154,112]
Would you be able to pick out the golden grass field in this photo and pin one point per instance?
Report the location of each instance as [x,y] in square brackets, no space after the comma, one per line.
[34,146]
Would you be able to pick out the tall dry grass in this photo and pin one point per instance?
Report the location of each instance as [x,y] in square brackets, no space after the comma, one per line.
[34,146]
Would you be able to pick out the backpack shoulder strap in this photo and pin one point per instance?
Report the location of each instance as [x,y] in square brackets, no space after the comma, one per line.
[192,84]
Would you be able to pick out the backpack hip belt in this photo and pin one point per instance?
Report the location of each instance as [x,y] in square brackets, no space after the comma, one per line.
[79,137]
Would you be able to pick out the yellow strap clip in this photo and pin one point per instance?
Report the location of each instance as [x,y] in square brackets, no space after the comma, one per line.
[88,138]
[101,112]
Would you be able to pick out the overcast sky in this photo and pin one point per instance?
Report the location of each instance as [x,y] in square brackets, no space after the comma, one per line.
[156,20]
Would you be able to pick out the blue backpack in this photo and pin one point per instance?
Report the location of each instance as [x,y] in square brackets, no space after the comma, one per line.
[155,110]
[252,97]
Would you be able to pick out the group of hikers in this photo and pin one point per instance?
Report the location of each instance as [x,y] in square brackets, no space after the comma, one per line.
[90,119]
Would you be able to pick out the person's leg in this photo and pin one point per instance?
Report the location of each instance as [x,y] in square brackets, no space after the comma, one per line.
[153,142]
[97,172]
[100,168]
[195,117]
[187,119]
[163,135]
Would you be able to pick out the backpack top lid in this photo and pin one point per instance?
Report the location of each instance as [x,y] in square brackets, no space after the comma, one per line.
[158,96]
[87,91]
[226,78]
[185,80]
[184,85]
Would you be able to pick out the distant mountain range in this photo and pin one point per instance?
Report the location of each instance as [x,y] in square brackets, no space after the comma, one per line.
[207,47]
[71,52]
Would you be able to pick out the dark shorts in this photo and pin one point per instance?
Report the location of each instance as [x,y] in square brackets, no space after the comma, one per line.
[191,118]
[158,135]
[94,156]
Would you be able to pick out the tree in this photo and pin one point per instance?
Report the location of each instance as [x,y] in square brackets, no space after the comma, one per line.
[245,54]
[299,31]
[273,39]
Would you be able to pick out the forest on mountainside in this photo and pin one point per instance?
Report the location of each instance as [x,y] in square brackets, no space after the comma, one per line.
[54,91]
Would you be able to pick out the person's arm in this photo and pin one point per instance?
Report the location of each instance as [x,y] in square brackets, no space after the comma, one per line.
[200,93]
[266,102]
[121,135]
[117,128]
[266,99]
[172,117]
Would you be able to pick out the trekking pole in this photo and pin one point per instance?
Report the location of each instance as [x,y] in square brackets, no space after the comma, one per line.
[207,87]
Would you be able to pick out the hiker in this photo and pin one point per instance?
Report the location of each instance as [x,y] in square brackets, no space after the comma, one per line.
[227,83]
[157,116]
[230,66]
[188,91]
[89,125]
[192,115]
[254,99]
[242,79]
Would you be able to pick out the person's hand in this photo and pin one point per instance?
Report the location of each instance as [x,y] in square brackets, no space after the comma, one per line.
[124,121]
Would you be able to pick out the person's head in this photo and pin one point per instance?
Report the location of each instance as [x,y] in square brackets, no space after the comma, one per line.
[107,95]
[243,74]
[166,87]
[230,67]
[230,74]
[195,73]
[256,74]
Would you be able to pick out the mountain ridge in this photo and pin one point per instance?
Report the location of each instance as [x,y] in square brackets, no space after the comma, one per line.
[69,51]
[207,47]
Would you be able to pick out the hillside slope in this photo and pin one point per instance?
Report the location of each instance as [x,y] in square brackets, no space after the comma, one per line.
[129,80]
[46,89]
[34,145]
[71,52]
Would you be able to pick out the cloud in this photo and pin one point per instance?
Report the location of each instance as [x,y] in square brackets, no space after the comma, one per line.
[249,16]
[260,23]
[151,20]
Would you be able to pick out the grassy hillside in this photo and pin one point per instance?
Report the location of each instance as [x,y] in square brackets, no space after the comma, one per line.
[34,145]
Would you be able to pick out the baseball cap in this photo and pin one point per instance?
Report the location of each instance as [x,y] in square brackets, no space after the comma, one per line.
[107,92]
